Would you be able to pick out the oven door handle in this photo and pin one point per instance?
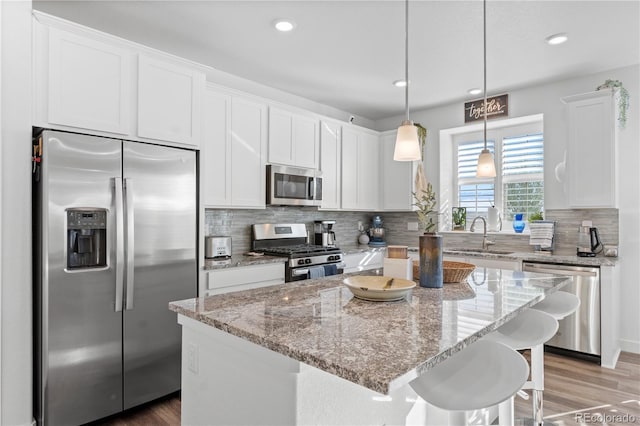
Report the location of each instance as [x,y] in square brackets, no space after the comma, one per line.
[304,271]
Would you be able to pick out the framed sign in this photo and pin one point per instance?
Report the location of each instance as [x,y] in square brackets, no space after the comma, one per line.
[497,107]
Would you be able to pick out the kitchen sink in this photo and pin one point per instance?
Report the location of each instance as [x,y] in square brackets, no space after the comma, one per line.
[468,250]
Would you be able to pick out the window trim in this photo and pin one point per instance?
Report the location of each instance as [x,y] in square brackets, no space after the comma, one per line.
[448,189]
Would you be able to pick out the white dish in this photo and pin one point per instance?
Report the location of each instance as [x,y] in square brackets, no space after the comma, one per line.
[372,288]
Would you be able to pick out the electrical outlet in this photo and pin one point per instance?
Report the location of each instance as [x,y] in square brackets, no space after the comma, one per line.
[192,358]
[412,226]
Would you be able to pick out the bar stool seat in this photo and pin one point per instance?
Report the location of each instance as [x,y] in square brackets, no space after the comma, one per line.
[481,375]
[559,304]
[530,328]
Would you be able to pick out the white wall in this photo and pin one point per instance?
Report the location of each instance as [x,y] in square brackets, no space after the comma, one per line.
[546,99]
[15,240]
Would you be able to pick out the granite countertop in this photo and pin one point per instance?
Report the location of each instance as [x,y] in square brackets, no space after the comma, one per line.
[379,345]
[241,260]
[567,259]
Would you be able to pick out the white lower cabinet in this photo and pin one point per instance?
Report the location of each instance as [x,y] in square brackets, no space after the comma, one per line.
[219,281]
[511,265]
[363,261]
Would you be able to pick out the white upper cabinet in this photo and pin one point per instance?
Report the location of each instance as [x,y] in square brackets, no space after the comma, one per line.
[330,159]
[233,151]
[360,169]
[215,150]
[169,101]
[293,139]
[396,177]
[248,149]
[591,150]
[89,83]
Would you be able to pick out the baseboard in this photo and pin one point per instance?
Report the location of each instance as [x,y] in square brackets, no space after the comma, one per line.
[632,346]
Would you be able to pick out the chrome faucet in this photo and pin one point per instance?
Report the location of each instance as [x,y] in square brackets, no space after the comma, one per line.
[485,243]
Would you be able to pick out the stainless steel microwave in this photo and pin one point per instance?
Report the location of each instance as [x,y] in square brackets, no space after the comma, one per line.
[293,186]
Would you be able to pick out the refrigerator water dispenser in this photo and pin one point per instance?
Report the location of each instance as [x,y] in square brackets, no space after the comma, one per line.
[86,238]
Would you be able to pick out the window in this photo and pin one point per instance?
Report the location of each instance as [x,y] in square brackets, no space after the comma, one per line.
[519,185]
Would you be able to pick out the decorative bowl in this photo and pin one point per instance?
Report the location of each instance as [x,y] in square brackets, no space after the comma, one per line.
[372,288]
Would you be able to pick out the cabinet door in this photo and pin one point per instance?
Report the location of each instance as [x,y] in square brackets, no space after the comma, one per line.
[248,153]
[349,170]
[280,137]
[293,139]
[396,178]
[169,101]
[368,172]
[305,141]
[215,152]
[330,139]
[89,83]
[591,150]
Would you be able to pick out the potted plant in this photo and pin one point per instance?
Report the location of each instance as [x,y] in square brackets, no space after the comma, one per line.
[459,218]
[431,273]
[623,99]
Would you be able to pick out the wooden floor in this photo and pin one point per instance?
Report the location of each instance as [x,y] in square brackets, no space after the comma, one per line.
[576,393]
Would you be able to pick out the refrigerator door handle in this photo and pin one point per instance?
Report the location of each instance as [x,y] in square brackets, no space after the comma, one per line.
[128,188]
[119,243]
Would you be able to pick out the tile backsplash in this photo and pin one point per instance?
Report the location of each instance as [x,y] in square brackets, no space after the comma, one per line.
[237,223]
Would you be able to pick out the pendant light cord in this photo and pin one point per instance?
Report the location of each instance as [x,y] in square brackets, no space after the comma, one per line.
[406,57]
[484,60]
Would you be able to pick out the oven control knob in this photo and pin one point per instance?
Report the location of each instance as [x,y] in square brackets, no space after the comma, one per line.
[301,262]
[307,261]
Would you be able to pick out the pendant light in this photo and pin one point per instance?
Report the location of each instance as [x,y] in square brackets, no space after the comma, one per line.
[486,165]
[407,144]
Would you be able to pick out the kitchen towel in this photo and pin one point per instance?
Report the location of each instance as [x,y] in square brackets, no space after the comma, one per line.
[330,270]
[316,272]
[541,234]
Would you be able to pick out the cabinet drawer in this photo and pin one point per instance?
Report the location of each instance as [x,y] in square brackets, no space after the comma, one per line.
[242,278]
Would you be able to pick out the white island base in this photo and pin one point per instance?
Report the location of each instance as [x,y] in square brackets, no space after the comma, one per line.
[229,381]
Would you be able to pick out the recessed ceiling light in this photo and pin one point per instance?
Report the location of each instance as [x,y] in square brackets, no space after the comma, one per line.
[400,83]
[557,38]
[284,25]
[474,91]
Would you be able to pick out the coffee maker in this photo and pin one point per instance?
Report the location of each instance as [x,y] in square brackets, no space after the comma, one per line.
[324,234]
[588,240]
[376,233]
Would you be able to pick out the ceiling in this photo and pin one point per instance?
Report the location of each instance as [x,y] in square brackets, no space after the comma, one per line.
[346,54]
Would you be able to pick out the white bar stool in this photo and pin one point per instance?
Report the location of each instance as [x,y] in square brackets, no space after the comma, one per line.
[559,304]
[481,375]
[529,330]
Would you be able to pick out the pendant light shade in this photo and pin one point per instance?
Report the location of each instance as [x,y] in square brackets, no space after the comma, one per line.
[407,145]
[486,165]
[407,142]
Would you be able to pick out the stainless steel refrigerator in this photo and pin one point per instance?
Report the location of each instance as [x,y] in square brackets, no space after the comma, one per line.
[115,230]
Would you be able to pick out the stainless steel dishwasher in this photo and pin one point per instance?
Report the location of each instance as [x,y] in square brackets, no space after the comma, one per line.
[580,331]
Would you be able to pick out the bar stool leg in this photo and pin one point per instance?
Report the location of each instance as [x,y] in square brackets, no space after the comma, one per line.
[505,412]
[458,418]
[537,377]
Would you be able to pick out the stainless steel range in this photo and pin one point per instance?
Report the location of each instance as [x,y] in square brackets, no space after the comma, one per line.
[304,260]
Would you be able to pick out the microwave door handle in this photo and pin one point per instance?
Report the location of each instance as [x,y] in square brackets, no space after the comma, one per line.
[119,243]
[311,189]
[128,188]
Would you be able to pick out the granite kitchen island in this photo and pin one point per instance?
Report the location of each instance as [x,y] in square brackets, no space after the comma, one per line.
[308,352]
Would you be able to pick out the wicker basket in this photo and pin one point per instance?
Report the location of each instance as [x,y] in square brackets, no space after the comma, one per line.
[453,272]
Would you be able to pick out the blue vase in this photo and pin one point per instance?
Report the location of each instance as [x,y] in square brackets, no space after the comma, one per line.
[518,223]
[431,274]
